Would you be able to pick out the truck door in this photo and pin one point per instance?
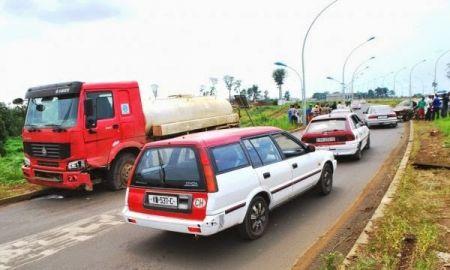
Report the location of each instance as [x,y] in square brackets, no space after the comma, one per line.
[99,140]
[127,123]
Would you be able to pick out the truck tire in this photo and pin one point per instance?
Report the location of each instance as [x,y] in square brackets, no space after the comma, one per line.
[119,171]
[256,219]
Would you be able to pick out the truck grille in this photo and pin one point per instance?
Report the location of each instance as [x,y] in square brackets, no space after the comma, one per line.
[47,163]
[47,150]
[48,176]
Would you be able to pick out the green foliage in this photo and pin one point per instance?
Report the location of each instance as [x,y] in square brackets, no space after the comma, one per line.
[279,75]
[332,261]
[267,116]
[10,164]
[443,124]
[11,123]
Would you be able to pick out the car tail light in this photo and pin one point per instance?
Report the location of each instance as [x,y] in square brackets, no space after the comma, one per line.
[372,116]
[392,115]
[194,230]
[211,184]
[349,137]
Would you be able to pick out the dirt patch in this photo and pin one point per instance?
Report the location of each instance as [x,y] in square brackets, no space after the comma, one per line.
[341,237]
[409,242]
[429,151]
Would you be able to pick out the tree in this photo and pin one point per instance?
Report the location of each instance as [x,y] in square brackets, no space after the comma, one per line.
[287,95]
[266,95]
[212,88]
[370,94]
[229,82]
[237,86]
[279,75]
[203,91]
[391,93]
[253,93]
[154,88]
[381,92]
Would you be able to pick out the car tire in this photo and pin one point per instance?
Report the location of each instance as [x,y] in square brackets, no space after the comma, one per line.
[395,125]
[325,184]
[368,143]
[358,154]
[119,172]
[256,219]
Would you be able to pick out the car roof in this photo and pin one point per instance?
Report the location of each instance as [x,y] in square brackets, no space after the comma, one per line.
[216,137]
[332,115]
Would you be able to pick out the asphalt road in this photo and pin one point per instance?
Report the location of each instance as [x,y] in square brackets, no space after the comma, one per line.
[70,230]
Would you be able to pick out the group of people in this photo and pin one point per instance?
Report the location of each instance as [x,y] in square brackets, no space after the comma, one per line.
[312,111]
[432,107]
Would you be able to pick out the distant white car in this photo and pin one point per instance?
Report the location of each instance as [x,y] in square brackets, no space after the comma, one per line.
[344,134]
[356,105]
[380,115]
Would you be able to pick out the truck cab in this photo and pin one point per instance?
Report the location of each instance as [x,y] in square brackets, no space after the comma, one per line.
[77,134]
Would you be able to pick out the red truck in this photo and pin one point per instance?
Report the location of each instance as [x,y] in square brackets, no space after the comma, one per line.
[79,134]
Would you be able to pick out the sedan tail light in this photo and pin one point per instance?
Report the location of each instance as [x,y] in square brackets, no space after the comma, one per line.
[372,116]
[349,137]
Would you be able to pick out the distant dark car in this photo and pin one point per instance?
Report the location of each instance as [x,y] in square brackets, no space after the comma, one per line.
[405,110]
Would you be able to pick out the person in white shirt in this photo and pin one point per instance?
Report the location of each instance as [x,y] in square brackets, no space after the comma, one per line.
[340,106]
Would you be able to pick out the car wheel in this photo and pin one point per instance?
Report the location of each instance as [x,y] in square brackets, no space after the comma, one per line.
[256,219]
[358,154]
[325,184]
[120,171]
[395,125]
[368,143]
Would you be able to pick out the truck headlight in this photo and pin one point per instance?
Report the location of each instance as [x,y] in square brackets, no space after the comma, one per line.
[76,165]
[26,162]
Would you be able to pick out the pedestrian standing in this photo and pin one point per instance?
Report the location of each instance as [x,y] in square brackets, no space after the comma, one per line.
[444,110]
[290,113]
[421,108]
[436,107]
[428,108]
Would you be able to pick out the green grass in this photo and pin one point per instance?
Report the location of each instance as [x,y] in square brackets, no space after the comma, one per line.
[443,124]
[10,164]
[267,116]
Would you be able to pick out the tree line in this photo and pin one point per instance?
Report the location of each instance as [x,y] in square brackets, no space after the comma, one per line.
[379,92]
[11,123]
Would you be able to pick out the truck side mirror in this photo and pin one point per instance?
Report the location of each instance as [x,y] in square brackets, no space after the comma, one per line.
[90,111]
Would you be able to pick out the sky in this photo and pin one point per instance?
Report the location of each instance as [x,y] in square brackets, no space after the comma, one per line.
[180,45]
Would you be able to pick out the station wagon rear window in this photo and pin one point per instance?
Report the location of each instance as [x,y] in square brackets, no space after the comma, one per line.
[229,157]
[327,125]
[169,167]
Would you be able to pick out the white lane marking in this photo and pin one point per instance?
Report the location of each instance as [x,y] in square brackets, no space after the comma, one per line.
[37,246]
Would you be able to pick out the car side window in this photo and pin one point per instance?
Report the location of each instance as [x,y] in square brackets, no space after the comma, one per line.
[229,157]
[355,120]
[288,146]
[266,149]
[254,157]
[104,102]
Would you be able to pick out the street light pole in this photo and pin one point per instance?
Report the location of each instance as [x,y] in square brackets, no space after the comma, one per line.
[303,59]
[410,79]
[434,84]
[346,60]
[356,70]
[354,76]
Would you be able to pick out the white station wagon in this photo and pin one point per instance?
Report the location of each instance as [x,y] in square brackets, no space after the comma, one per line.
[206,182]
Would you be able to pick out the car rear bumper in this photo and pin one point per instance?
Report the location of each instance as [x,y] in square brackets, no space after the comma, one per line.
[340,149]
[381,122]
[210,225]
[66,180]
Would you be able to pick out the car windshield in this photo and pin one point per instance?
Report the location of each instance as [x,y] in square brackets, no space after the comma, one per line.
[60,111]
[327,125]
[381,110]
[170,167]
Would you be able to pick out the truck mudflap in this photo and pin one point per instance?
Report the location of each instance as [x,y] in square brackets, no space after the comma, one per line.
[58,179]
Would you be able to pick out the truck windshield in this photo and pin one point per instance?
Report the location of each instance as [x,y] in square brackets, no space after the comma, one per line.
[171,167]
[60,111]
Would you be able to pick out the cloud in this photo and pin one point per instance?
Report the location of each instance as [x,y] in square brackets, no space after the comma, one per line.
[62,12]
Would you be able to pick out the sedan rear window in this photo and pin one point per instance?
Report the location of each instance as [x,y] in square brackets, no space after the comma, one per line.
[171,167]
[229,157]
[381,110]
[327,125]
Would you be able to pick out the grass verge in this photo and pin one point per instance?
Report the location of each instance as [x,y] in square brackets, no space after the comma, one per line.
[11,178]
[275,116]
[415,226]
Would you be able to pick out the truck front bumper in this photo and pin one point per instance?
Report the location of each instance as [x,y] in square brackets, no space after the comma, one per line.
[210,225]
[58,179]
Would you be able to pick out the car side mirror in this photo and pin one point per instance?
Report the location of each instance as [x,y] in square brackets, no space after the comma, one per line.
[17,101]
[310,148]
[365,112]
[90,111]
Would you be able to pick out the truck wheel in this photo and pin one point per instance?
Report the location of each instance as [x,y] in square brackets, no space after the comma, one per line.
[325,184]
[256,219]
[120,170]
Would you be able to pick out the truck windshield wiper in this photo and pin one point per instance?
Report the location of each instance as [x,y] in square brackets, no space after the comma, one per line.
[57,127]
[32,127]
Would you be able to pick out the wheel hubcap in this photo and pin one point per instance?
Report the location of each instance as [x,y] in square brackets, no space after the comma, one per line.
[125,172]
[258,217]
[327,179]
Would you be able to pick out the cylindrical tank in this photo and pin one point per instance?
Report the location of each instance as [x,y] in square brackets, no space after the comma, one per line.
[183,108]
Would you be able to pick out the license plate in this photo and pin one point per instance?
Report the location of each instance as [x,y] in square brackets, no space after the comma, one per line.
[329,139]
[163,200]
[382,117]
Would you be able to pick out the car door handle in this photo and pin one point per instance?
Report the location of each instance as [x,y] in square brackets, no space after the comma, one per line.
[294,165]
[115,126]
[266,175]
